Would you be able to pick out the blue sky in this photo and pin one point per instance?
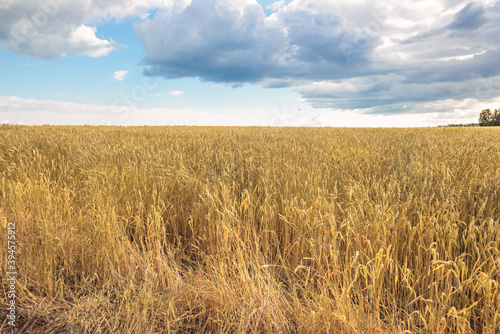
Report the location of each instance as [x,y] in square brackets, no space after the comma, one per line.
[247,62]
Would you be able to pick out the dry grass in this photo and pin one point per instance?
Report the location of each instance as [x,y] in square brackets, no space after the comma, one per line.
[253,230]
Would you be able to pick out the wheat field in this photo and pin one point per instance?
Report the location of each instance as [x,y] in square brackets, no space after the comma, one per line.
[252,230]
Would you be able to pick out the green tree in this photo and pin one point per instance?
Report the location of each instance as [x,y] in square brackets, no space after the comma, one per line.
[489,118]
[496,117]
[485,117]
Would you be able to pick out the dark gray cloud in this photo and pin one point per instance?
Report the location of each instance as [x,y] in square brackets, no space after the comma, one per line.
[336,46]
[458,61]
[387,94]
[216,42]
[450,71]
[471,17]
[210,41]
[463,24]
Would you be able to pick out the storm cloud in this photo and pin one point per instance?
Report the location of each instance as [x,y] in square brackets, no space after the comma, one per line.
[392,54]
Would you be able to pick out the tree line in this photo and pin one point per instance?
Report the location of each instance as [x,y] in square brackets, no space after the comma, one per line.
[488,117]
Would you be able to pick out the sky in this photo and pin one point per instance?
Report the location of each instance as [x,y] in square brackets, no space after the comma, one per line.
[357,63]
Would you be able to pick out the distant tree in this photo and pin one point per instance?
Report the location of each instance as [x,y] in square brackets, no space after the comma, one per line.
[489,118]
[496,117]
[485,117]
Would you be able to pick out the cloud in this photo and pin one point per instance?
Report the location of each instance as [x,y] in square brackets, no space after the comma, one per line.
[218,42]
[471,17]
[176,93]
[377,56]
[389,94]
[50,29]
[38,112]
[276,5]
[119,75]
[372,56]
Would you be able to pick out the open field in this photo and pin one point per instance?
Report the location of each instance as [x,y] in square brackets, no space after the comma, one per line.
[252,230]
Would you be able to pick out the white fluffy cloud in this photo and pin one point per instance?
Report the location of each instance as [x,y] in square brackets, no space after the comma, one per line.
[176,93]
[52,28]
[119,75]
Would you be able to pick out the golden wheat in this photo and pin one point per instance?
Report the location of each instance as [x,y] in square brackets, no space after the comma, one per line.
[252,230]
